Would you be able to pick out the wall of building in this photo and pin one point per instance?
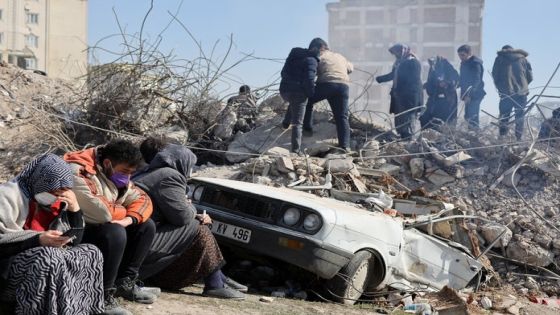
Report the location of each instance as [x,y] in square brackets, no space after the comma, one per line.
[46,35]
[363,30]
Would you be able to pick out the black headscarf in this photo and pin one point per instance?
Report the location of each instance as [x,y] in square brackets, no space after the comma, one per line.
[176,157]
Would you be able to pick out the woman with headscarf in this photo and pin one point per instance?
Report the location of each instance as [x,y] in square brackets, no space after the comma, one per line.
[40,272]
[184,249]
[406,92]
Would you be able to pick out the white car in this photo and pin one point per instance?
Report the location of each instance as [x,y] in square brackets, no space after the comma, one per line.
[351,248]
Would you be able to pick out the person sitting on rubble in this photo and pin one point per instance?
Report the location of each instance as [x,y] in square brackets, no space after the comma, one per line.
[117,216]
[297,85]
[332,85]
[245,106]
[441,88]
[42,270]
[406,93]
[184,249]
[550,128]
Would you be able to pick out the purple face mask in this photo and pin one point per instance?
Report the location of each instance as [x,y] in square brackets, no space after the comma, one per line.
[119,179]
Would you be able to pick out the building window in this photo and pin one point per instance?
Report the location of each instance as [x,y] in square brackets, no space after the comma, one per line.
[1,14]
[1,38]
[32,18]
[30,63]
[31,41]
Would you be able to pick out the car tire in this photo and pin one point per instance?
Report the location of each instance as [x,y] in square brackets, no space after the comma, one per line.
[350,282]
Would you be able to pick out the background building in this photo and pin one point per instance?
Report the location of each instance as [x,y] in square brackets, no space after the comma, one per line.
[47,35]
[363,31]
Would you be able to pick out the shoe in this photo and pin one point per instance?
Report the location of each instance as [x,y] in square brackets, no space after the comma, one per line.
[224,293]
[128,289]
[229,282]
[307,132]
[112,306]
[285,126]
[153,290]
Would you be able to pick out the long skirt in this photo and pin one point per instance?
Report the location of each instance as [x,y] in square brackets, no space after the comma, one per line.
[196,260]
[49,280]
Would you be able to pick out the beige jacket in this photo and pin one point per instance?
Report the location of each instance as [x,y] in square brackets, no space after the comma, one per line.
[333,67]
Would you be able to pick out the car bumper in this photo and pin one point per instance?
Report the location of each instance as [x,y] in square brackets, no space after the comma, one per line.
[289,246]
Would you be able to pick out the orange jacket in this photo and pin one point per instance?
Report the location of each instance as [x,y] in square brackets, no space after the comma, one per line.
[99,198]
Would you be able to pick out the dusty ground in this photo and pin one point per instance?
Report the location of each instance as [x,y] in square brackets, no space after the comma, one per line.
[190,301]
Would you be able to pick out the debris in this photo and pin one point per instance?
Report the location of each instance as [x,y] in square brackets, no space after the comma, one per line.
[341,165]
[439,178]
[524,251]
[278,294]
[456,158]
[285,165]
[360,186]
[266,299]
[491,232]
[417,167]
[390,169]
[486,303]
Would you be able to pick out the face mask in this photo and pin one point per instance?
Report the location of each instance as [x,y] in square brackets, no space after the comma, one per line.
[45,198]
[119,179]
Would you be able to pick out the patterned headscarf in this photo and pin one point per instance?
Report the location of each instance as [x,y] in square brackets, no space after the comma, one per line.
[46,173]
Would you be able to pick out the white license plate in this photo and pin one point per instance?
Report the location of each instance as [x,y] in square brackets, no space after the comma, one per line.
[231,231]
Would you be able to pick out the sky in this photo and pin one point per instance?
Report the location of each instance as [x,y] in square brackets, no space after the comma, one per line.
[270,28]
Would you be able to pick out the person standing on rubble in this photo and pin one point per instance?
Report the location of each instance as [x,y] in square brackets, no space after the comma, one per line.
[332,85]
[512,75]
[471,84]
[407,92]
[442,94]
[298,84]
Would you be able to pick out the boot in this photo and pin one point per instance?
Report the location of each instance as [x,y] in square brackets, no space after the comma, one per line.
[128,289]
[112,306]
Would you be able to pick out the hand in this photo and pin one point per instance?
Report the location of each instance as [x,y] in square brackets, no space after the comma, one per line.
[123,222]
[69,197]
[204,219]
[53,238]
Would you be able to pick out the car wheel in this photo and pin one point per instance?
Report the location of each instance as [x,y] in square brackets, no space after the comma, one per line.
[349,283]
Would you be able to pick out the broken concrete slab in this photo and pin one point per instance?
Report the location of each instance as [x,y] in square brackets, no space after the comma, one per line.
[360,186]
[285,165]
[490,232]
[390,169]
[439,177]
[341,165]
[529,253]
[456,158]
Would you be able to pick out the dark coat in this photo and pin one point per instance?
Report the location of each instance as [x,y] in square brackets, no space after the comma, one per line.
[165,181]
[299,71]
[512,72]
[407,91]
[472,71]
[441,88]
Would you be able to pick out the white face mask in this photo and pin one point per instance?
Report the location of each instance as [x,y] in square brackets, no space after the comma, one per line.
[45,198]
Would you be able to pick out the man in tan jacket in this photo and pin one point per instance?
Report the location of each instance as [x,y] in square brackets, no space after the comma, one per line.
[332,85]
[117,216]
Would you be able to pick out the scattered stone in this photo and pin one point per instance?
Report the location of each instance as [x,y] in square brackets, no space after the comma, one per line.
[417,167]
[529,253]
[390,169]
[456,158]
[266,299]
[486,303]
[278,294]
[370,149]
[491,231]
[285,165]
[439,177]
[341,165]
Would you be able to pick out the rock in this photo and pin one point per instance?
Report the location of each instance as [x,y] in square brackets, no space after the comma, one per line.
[279,294]
[341,165]
[505,303]
[510,180]
[529,253]
[301,295]
[491,231]
[486,303]
[544,240]
[370,149]
[262,180]
[439,177]
[285,165]
[225,124]
[550,211]
[278,151]
[266,299]
[318,148]
[456,158]
[531,284]
[515,309]
[391,169]
[417,167]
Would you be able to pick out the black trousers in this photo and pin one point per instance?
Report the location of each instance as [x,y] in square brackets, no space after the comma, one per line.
[123,249]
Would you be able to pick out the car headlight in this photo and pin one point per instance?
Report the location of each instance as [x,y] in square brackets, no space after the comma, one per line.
[291,216]
[198,193]
[311,222]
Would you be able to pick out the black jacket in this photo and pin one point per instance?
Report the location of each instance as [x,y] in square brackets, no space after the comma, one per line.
[407,90]
[512,72]
[299,71]
[472,71]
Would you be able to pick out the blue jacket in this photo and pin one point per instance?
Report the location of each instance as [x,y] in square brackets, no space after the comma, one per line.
[471,75]
[299,71]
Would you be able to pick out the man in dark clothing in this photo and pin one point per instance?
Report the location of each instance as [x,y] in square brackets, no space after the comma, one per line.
[512,74]
[471,84]
[244,105]
[298,84]
[442,94]
[406,92]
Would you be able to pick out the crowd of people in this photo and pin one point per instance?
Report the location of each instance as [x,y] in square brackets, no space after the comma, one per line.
[79,231]
[316,73]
